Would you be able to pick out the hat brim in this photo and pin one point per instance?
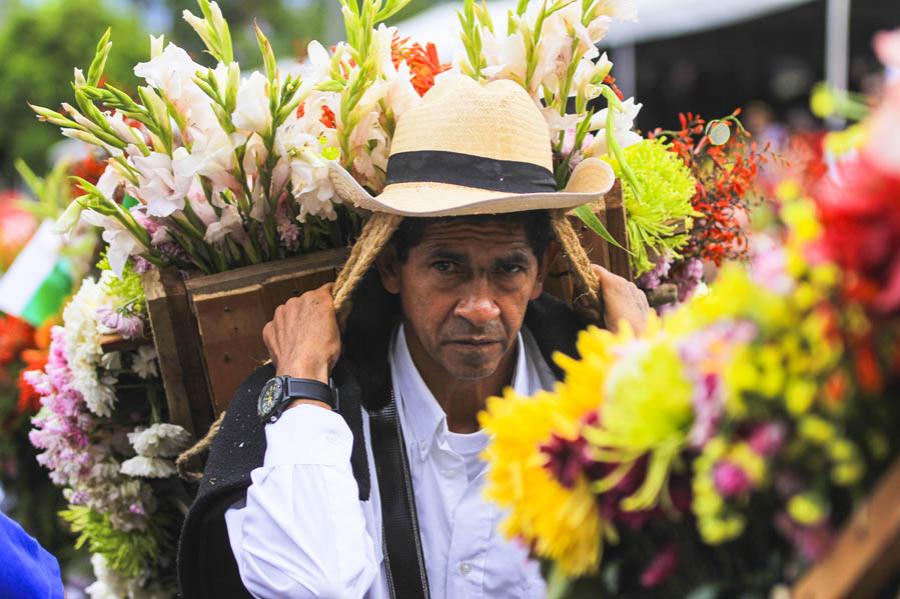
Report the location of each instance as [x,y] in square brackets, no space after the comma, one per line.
[590,181]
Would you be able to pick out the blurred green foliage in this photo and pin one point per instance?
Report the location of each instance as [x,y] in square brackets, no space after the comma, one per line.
[39,46]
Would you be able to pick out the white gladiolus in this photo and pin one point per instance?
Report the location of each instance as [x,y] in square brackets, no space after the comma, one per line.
[109,182]
[121,242]
[163,182]
[623,123]
[172,72]
[229,222]
[252,111]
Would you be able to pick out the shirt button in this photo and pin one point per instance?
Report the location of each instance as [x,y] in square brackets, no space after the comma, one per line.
[465,568]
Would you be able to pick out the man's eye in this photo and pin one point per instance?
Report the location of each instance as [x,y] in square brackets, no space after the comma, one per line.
[442,266]
[511,269]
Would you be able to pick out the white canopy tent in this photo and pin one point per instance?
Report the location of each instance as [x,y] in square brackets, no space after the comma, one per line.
[657,19]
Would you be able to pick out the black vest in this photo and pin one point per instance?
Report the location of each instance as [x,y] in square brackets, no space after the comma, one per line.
[206,565]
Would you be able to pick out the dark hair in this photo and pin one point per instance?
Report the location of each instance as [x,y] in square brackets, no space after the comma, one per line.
[535,222]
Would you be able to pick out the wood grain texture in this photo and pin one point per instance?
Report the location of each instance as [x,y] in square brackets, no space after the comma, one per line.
[867,552]
[208,329]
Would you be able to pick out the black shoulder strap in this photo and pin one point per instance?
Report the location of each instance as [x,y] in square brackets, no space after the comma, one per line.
[404,560]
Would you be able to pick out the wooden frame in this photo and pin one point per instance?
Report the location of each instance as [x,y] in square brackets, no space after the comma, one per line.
[611,212]
[208,329]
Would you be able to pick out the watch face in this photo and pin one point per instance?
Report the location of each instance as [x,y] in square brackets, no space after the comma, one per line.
[269,397]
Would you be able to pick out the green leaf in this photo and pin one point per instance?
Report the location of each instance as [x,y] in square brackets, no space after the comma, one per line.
[588,217]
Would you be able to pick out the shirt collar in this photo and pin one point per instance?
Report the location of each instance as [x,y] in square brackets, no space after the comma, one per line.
[424,416]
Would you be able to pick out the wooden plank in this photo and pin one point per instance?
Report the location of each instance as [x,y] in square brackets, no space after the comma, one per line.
[612,214]
[267,272]
[232,310]
[110,343]
[867,551]
[230,325]
[178,350]
[616,225]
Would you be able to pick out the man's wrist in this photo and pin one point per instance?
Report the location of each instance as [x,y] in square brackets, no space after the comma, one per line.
[314,372]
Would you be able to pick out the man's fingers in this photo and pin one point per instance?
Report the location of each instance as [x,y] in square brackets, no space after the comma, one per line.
[600,272]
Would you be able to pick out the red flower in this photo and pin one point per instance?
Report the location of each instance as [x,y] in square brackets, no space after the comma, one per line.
[29,398]
[89,169]
[15,335]
[726,176]
[860,213]
[327,118]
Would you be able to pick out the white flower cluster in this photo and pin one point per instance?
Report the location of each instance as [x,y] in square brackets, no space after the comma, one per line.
[83,350]
[155,446]
[226,165]
[550,48]
[111,585]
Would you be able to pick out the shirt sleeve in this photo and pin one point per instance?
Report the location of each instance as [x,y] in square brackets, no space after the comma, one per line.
[301,531]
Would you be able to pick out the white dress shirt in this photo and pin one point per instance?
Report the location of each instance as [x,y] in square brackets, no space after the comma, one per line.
[302,531]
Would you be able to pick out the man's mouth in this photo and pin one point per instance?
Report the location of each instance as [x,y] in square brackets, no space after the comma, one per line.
[473,342]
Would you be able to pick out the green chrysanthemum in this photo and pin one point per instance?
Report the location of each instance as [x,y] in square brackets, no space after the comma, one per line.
[654,215]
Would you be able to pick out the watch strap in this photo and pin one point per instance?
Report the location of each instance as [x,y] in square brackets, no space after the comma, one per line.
[295,388]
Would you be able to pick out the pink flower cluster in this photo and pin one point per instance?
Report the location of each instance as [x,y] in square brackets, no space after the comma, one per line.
[61,427]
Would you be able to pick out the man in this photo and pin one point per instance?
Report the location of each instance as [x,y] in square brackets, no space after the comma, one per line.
[383,498]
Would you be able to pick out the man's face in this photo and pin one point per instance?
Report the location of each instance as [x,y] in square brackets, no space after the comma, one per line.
[464,291]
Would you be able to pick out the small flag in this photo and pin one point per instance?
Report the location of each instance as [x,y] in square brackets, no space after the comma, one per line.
[39,280]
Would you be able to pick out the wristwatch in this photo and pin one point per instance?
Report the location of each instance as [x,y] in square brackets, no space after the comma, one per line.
[278,393]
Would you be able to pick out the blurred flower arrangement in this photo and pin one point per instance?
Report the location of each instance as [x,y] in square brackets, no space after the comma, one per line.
[719,451]
[725,164]
[102,436]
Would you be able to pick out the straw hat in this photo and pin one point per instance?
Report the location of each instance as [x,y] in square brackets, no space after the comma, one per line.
[468,149]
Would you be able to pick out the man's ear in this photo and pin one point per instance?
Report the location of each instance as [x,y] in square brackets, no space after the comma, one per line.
[544,267]
[388,265]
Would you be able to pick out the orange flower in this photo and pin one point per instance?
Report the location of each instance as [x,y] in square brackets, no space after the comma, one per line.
[424,63]
[29,398]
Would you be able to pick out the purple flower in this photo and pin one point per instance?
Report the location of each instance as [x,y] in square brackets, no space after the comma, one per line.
[811,542]
[137,508]
[687,276]
[653,278]
[567,459]
[129,326]
[730,479]
[141,265]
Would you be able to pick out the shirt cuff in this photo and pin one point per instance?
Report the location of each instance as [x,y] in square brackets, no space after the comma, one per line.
[308,434]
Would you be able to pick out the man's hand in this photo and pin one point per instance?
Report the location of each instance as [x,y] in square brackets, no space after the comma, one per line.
[622,300]
[303,338]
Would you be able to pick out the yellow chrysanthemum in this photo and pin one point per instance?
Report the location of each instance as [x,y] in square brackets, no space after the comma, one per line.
[560,523]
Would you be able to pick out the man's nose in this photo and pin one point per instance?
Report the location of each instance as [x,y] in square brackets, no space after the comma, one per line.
[478,305]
